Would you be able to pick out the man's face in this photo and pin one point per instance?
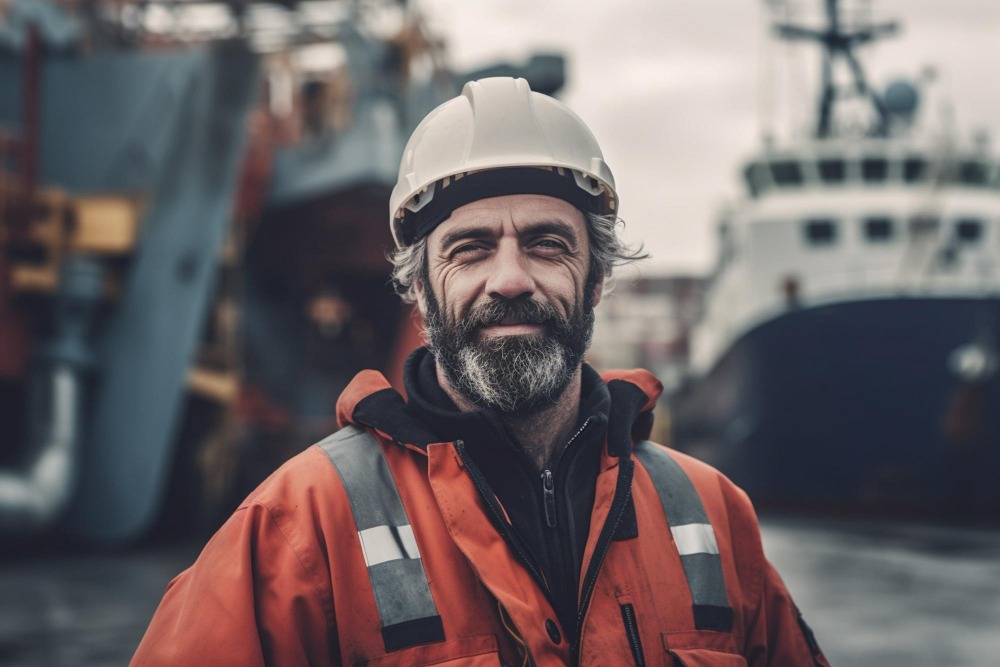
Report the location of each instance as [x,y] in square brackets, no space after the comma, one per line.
[508,300]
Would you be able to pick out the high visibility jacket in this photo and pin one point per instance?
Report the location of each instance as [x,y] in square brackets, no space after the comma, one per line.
[370,549]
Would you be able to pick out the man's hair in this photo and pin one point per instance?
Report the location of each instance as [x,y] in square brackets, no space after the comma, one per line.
[607,251]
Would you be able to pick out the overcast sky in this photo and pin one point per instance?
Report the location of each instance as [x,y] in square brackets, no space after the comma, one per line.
[676,90]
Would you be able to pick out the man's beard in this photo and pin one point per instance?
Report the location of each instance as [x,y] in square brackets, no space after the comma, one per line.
[513,374]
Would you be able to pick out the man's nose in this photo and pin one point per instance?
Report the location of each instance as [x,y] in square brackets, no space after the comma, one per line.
[510,275]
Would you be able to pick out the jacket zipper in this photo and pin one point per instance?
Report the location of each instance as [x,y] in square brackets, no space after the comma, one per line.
[632,632]
[548,479]
[496,518]
[548,493]
[622,493]
[549,496]
[583,427]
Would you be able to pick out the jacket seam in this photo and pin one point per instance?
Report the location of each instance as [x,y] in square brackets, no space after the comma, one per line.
[314,577]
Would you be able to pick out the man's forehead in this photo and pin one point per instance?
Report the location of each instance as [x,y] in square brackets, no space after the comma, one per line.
[518,209]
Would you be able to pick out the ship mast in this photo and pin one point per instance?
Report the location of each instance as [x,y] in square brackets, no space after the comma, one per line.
[838,42]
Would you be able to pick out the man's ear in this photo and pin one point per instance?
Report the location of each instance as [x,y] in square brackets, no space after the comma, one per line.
[598,291]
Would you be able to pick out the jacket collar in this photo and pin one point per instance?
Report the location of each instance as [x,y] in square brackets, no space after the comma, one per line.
[483,429]
[369,400]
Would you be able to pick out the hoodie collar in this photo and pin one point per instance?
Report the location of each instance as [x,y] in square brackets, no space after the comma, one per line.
[429,402]
[626,397]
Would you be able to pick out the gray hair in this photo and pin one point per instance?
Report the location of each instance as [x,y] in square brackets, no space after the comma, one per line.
[607,251]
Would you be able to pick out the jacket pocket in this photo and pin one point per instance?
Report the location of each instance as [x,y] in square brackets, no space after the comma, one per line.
[632,632]
[703,657]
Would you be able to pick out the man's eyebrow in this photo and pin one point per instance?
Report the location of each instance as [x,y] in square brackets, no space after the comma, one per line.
[557,227]
[466,234]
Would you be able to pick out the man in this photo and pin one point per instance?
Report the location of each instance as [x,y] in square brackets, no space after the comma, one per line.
[510,511]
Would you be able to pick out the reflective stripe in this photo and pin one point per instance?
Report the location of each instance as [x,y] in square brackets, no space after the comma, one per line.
[385,543]
[395,569]
[693,536]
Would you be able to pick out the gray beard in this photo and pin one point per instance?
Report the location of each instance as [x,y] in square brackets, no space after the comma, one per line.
[515,375]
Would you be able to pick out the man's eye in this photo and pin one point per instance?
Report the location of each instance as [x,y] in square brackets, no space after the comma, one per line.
[549,245]
[468,249]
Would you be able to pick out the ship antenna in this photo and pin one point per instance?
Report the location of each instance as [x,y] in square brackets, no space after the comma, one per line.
[839,42]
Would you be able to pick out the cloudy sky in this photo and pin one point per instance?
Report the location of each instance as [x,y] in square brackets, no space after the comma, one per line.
[678,91]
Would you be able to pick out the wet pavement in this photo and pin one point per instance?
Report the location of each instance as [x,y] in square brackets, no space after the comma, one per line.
[888,595]
[877,595]
[82,609]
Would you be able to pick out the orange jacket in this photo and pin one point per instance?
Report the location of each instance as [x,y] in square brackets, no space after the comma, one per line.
[313,570]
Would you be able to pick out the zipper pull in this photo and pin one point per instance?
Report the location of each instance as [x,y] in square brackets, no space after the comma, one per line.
[549,494]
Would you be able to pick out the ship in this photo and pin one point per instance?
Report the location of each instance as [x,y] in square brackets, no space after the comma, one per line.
[847,357]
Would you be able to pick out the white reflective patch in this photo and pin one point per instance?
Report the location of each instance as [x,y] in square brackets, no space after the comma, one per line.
[695,538]
[409,541]
[385,543]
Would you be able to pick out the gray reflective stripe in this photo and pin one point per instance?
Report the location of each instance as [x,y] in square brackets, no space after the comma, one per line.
[397,601]
[693,534]
[395,568]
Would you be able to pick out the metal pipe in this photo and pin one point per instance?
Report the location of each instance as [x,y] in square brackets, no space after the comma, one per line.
[35,496]
[31,499]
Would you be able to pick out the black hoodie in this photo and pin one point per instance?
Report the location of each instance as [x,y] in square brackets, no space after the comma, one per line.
[557,549]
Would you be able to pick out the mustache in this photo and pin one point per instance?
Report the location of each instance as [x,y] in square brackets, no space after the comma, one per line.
[523,310]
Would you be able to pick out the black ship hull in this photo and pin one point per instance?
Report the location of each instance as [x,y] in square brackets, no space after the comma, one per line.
[854,406]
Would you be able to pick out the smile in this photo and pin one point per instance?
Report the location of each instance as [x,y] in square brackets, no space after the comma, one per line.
[512,329]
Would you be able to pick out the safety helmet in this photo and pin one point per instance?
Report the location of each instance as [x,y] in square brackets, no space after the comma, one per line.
[498,137]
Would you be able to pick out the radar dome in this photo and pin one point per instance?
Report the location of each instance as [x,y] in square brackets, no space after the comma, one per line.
[902,98]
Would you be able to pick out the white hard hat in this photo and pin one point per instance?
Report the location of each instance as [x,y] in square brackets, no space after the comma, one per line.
[496,138]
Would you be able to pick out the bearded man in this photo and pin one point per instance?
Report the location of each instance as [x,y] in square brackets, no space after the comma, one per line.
[511,510]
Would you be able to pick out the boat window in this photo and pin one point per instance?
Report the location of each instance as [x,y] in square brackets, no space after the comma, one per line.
[878,229]
[969,230]
[786,172]
[832,170]
[914,169]
[973,172]
[820,232]
[756,178]
[874,169]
